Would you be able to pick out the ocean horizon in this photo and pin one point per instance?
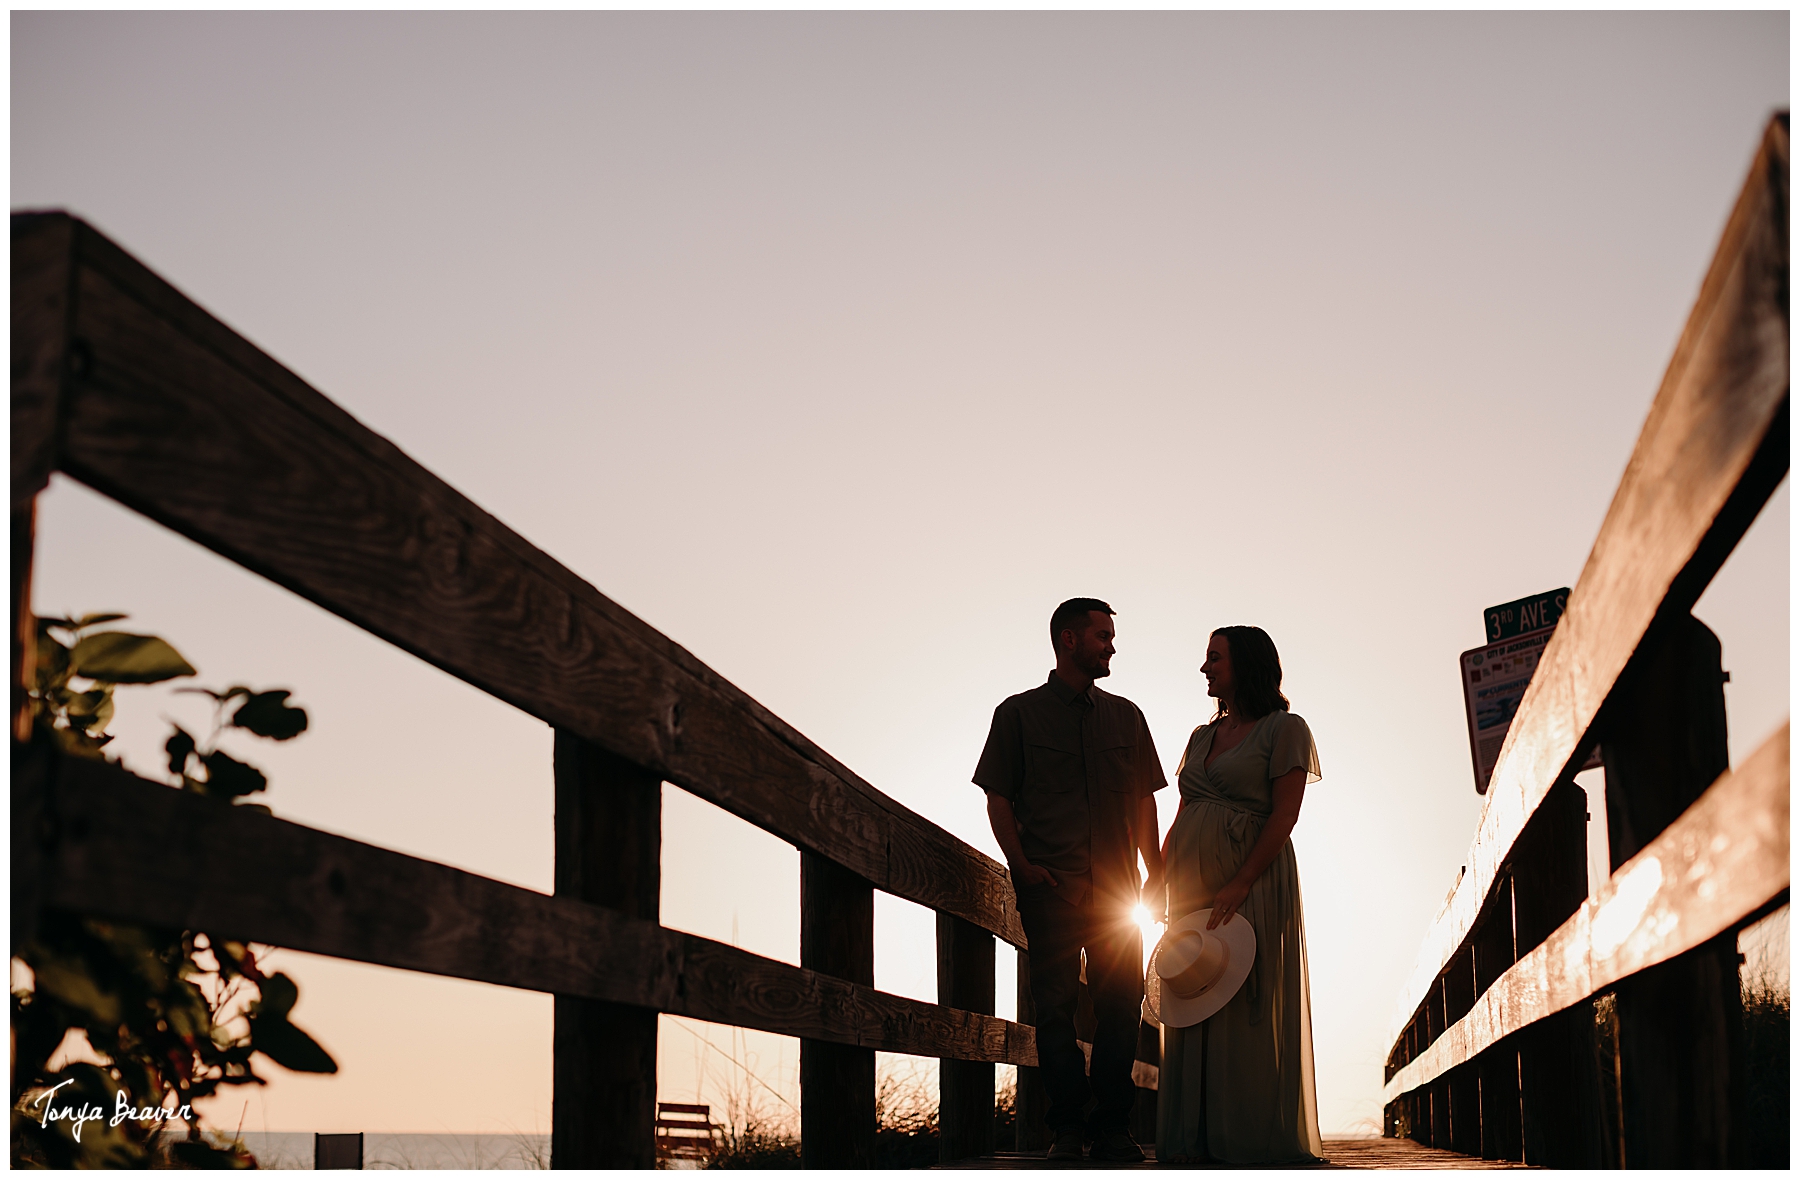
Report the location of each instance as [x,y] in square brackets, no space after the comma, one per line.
[291,1150]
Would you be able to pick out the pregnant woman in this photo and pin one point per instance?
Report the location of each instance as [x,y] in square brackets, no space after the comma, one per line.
[1238,1087]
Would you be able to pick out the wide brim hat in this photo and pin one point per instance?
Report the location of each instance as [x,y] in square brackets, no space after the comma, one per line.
[1236,938]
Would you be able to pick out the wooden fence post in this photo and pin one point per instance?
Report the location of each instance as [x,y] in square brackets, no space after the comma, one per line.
[1463,1083]
[1030,1132]
[1498,1067]
[1439,1087]
[1559,1085]
[1416,1104]
[1679,1024]
[837,1082]
[31,760]
[1497,1072]
[965,1088]
[42,364]
[608,853]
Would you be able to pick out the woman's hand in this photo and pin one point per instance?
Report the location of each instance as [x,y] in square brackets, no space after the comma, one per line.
[1154,897]
[1289,789]
[1227,902]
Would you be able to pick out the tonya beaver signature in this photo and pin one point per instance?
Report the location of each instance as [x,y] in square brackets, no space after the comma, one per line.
[90,1112]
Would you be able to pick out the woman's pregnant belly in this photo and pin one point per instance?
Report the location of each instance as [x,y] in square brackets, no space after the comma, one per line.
[1212,841]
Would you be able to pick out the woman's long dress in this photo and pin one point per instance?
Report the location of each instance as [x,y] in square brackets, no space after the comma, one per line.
[1238,1087]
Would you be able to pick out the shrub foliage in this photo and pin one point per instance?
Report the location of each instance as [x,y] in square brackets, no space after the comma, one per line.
[166,1016]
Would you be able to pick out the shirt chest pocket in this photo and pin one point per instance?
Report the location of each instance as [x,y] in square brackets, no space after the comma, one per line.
[1117,765]
[1053,768]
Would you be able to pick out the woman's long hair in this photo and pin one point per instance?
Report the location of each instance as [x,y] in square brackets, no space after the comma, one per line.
[1256,667]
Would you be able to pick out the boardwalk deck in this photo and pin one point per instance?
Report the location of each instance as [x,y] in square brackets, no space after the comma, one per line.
[1339,1153]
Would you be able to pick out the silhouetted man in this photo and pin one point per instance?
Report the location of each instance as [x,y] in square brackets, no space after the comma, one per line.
[1071,776]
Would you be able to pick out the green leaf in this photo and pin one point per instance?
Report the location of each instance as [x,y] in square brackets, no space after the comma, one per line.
[268,714]
[236,690]
[91,710]
[279,995]
[189,1020]
[79,744]
[225,775]
[290,1047]
[119,657]
[180,747]
[53,662]
[70,982]
[96,620]
[273,1034]
[233,956]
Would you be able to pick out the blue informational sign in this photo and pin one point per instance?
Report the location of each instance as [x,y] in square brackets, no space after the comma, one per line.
[1494,681]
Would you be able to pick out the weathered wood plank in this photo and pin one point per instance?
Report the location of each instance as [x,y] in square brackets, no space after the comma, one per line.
[1384,1154]
[130,849]
[1718,422]
[181,419]
[1402,1154]
[1724,859]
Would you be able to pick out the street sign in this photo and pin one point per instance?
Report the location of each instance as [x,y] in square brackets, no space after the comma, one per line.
[1495,676]
[1512,619]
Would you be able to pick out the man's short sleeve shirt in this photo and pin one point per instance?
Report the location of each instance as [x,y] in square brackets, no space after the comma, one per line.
[1075,766]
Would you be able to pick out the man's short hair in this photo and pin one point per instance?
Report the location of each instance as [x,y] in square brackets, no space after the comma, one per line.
[1073,616]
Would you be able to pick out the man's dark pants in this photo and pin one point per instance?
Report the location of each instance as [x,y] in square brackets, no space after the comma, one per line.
[1057,932]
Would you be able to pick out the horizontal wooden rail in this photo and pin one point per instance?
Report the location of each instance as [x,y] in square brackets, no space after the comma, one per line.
[1724,859]
[1712,451]
[127,385]
[91,838]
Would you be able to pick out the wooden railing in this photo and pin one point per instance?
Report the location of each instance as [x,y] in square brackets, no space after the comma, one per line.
[126,385]
[1544,1025]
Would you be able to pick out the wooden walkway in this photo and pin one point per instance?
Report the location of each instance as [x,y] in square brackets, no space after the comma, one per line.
[1339,1153]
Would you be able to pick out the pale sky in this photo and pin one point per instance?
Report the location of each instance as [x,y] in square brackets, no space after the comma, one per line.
[842,347]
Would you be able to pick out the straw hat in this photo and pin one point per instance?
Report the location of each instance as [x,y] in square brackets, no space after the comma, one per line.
[1194,971]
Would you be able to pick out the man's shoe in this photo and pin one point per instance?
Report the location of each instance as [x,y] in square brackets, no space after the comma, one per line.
[1116,1147]
[1067,1146]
